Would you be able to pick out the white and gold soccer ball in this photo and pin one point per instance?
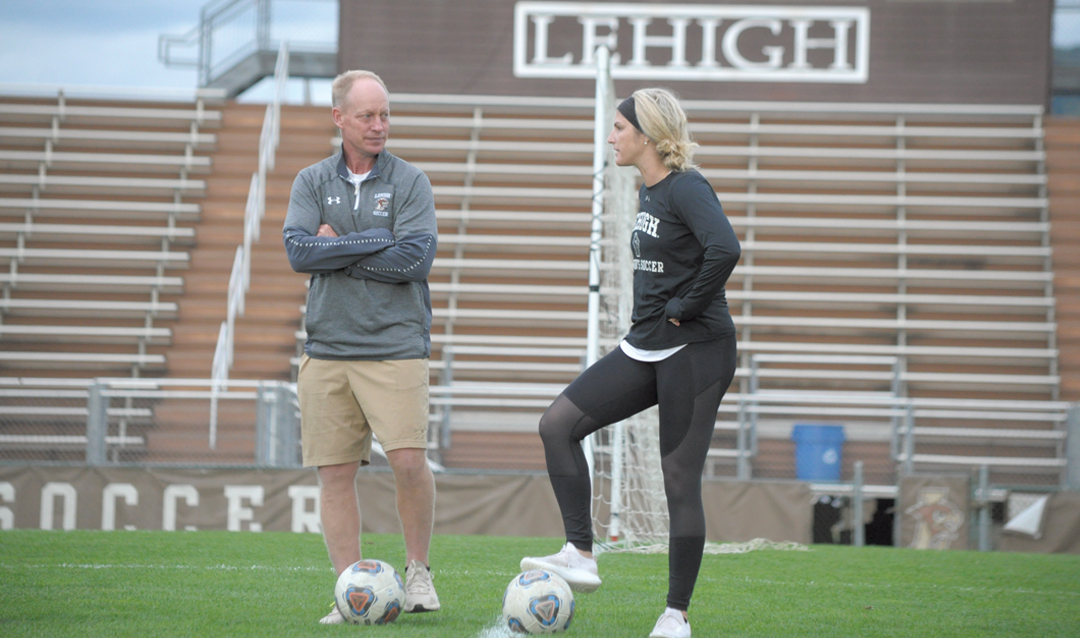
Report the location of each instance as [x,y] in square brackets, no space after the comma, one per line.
[370,592]
[538,602]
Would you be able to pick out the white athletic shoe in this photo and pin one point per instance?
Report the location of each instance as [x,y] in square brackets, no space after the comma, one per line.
[579,572]
[419,589]
[333,618]
[671,624]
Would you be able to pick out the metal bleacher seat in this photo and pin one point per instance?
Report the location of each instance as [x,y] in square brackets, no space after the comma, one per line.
[27,136]
[68,184]
[112,233]
[99,209]
[64,282]
[127,162]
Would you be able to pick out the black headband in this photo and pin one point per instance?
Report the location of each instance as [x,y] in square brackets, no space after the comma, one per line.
[629,111]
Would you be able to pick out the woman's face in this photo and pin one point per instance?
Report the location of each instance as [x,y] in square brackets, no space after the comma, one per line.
[627,142]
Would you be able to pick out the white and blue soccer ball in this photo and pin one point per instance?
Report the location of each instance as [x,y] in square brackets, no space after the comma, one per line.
[538,602]
[370,592]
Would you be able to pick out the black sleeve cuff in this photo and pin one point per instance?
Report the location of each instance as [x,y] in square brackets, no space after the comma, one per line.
[674,309]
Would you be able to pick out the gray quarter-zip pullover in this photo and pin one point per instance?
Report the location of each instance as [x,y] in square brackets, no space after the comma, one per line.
[369,295]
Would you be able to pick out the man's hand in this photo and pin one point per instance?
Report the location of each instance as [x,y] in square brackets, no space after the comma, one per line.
[674,321]
[326,231]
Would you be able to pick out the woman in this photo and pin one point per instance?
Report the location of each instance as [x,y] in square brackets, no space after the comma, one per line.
[679,353]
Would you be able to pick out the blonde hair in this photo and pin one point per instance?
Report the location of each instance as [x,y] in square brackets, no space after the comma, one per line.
[343,84]
[663,121]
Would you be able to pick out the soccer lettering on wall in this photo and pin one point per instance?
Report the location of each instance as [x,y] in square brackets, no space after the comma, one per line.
[135,498]
[790,44]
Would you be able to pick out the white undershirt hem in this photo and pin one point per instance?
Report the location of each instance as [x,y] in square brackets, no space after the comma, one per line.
[648,356]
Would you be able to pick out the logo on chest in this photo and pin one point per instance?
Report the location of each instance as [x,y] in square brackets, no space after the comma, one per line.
[647,224]
[382,204]
[333,200]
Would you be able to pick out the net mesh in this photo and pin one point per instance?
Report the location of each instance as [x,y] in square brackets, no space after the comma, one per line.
[629,504]
[630,507]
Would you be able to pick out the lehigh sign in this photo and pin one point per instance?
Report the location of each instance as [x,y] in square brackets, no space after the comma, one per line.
[731,43]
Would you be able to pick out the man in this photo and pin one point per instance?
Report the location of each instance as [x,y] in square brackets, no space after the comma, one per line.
[362,224]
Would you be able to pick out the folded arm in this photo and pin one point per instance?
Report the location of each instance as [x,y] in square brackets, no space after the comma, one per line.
[416,233]
[409,259]
[321,252]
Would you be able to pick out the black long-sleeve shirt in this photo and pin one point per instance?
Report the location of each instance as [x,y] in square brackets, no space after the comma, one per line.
[684,250]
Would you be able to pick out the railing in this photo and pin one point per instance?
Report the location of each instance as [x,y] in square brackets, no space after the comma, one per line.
[63,91]
[240,277]
[145,422]
[231,32]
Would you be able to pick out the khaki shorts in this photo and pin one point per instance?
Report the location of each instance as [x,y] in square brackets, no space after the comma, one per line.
[343,402]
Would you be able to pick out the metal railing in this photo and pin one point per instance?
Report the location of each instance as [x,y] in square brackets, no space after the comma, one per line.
[146,422]
[234,38]
[240,277]
[136,93]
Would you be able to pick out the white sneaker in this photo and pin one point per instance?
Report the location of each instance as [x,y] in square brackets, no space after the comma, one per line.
[333,618]
[419,589]
[579,572]
[671,624]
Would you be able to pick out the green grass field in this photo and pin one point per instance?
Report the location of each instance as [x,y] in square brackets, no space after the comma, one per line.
[86,584]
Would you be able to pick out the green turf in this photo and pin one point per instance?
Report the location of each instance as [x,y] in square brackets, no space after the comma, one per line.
[87,584]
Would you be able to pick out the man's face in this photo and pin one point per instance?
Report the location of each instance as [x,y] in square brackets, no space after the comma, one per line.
[364,117]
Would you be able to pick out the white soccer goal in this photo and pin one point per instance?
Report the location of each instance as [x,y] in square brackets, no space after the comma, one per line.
[629,506]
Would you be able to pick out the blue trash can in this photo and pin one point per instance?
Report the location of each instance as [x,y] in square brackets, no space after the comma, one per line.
[817,451]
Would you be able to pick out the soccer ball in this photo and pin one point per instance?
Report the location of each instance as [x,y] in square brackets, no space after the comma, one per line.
[370,592]
[538,602]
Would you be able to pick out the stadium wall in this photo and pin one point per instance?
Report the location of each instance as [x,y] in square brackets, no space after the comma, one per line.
[885,51]
[501,504]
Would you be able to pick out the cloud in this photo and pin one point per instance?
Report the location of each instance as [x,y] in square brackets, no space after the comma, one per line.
[67,16]
[125,58]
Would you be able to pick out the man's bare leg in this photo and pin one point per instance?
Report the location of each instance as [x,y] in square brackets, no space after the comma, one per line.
[339,512]
[415,500]
[416,508]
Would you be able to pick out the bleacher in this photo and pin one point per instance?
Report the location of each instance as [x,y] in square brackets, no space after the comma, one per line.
[95,226]
[97,204]
[915,234]
[897,257]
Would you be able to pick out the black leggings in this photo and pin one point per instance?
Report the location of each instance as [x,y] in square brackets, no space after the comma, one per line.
[688,387]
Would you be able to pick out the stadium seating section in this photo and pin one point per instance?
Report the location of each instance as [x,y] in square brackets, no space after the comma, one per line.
[887,252]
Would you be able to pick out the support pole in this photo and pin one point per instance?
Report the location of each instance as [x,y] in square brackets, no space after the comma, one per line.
[858,533]
[1072,454]
[97,425]
[592,343]
[982,501]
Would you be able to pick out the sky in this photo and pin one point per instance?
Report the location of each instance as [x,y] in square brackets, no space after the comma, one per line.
[115,42]
[110,43]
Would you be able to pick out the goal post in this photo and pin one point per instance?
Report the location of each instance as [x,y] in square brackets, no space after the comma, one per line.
[629,505]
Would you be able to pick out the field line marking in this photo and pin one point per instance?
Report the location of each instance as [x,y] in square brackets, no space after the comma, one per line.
[981,590]
[221,567]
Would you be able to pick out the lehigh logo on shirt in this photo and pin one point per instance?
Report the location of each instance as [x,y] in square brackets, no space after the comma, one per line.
[649,225]
[382,204]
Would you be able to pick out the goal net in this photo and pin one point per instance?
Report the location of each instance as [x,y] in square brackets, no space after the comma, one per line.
[629,505]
